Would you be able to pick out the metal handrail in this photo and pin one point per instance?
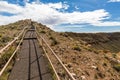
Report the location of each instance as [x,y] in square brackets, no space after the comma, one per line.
[50,61]
[23,32]
[10,43]
[68,72]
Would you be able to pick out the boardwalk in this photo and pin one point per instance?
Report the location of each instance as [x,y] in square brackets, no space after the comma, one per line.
[31,64]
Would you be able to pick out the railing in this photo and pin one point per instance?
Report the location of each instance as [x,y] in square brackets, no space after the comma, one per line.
[43,41]
[22,34]
[10,43]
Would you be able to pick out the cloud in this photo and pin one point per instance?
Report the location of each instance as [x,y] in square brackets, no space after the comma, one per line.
[107,23]
[58,5]
[51,15]
[37,1]
[85,17]
[26,1]
[114,1]
[11,8]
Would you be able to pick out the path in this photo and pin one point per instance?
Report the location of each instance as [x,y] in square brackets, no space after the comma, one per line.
[31,64]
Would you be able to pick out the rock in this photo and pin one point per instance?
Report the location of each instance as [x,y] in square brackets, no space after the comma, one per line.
[18,59]
[79,69]
[83,77]
[118,61]
[94,67]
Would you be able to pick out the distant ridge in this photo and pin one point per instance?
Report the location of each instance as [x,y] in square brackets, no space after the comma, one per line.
[100,41]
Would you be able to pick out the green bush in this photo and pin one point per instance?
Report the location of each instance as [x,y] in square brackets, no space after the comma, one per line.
[89,49]
[0,35]
[64,34]
[96,52]
[77,48]
[117,67]
[54,41]
[105,51]
[114,55]
[42,32]
[5,39]
[51,38]
[4,58]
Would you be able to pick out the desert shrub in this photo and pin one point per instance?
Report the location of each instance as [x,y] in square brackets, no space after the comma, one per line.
[77,48]
[42,32]
[0,35]
[5,39]
[117,67]
[4,58]
[54,41]
[12,27]
[104,64]
[64,34]
[101,75]
[51,38]
[114,55]
[106,51]
[96,52]
[89,49]
[7,72]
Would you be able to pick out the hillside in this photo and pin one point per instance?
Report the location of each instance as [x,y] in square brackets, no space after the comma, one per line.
[8,32]
[100,41]
[88,56]
[82,53]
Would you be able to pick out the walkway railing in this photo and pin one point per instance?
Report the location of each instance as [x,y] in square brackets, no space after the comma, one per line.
[43,41]
[21,35]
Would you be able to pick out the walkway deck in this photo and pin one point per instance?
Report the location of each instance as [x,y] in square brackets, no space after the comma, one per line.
[31,64]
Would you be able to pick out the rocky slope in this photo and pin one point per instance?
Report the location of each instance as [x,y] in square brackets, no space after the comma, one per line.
[87,56]
[8,32]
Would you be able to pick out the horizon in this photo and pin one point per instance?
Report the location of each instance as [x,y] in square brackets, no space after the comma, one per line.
[65,15]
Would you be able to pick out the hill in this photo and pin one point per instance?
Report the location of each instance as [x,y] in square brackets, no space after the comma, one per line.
[8,32]
[88,56]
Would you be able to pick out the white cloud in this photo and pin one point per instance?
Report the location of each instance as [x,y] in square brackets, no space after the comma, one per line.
[58,5]
[107,23]
[26,1]
[49,14]
[65,6]
[11,8]
[37,1]
[114,1]
[85,17]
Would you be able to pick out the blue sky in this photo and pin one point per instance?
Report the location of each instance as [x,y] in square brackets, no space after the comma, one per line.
[65,15]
